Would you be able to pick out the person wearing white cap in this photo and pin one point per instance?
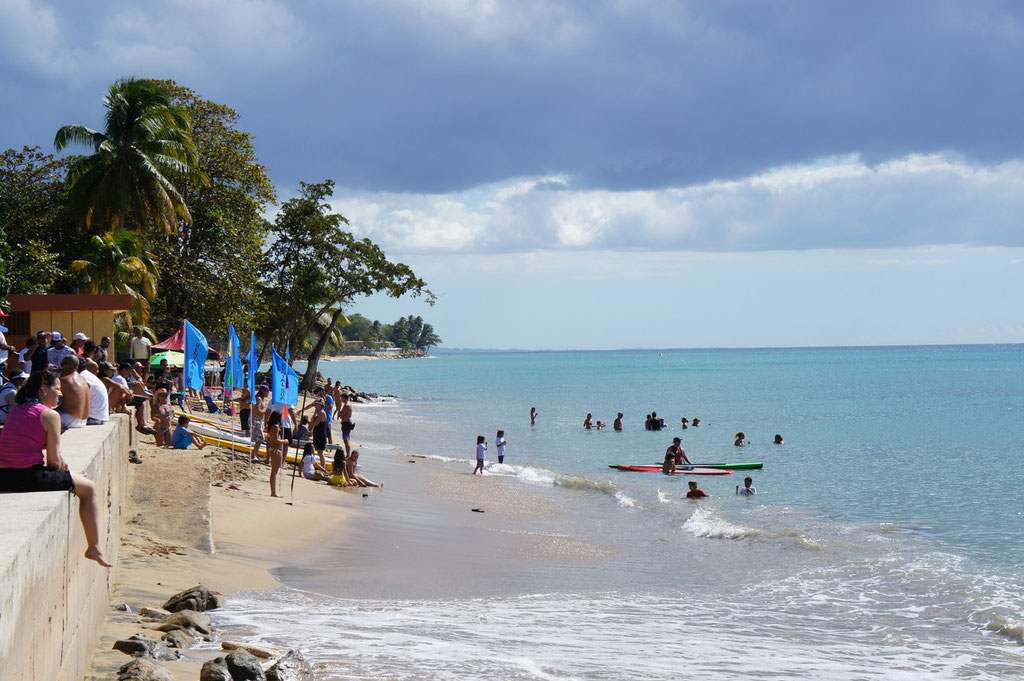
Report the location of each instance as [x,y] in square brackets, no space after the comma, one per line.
[8,390]
[57,350]
[78,341]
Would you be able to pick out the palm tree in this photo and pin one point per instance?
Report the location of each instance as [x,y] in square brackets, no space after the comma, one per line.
[117,263]
[146,141]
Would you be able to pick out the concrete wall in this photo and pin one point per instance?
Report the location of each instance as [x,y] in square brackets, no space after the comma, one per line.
[52,600]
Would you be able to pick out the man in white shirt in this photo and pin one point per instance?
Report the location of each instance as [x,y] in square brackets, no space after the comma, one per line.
[139,349]
[56,353]
[99,404]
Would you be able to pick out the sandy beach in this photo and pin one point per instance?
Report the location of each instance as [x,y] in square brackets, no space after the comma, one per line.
[419,535]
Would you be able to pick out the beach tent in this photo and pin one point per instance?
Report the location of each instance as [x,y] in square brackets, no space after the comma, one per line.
[177,342]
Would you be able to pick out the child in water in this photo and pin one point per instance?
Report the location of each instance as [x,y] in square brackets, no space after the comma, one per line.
[740,439]
[778,439]
[747,489]
[500,443]
[695,493]
[481,452]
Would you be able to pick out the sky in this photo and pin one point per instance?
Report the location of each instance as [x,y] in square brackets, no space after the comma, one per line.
[609,173]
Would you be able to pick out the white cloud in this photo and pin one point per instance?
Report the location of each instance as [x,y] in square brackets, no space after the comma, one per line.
[917,200]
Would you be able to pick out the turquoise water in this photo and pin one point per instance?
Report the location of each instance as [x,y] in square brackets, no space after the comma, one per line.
[930,438]
[883,542]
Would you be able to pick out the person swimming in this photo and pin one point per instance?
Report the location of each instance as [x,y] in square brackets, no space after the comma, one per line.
[778,439]
[695,493]
[684,421]
[695,422]
[588,422]
[740,439]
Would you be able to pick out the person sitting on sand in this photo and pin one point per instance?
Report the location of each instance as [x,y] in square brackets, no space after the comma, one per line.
[183,438]
[740,439]
[588,422]
[533,416]
[30,459]
[677,452]
[353,477]
[481,454]
[311,470]
[338,478]
[778,439]
[302,432]
[695,493]
[747,490]
[617,423]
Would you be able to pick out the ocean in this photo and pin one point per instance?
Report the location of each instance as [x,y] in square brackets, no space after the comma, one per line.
[883,541]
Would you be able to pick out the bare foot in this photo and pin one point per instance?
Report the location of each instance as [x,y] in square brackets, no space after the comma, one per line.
[279,496]
[94,553]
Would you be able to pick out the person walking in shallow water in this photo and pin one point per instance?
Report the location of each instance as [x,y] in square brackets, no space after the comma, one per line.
[481,452]
[533,416]
[617,424]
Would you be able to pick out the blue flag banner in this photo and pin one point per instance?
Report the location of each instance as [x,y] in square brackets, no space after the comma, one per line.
[196,349]
[284,381]
[254,365]
[235,376]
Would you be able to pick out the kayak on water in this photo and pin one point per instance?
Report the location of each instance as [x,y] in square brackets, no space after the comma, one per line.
[680,470]
[657,466]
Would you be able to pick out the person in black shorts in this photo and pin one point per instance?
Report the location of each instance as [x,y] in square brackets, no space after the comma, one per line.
[346,422]
[319,427]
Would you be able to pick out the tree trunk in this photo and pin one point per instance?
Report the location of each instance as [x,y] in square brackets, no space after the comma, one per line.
[309,380]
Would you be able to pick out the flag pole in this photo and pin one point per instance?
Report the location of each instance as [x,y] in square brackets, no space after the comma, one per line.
[298,461]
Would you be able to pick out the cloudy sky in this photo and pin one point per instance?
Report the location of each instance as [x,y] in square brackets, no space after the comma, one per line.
[610,173]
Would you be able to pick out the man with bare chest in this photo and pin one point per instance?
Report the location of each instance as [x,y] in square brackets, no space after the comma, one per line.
[74,404]
[346,423]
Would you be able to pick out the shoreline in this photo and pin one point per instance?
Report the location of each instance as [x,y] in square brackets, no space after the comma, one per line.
[418,536]
[184,526]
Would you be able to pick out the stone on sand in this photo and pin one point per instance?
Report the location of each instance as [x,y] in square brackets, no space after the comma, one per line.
[141,669]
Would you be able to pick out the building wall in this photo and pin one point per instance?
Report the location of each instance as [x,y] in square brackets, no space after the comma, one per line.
[52,600]
[94,324]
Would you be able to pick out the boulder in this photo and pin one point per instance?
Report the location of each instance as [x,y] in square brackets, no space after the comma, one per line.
[244,667]
[140,646]
[142,669]
[198,598]
[179,638]
[292,667]
[195,623]
[155,613]
[215,670]
[258,651]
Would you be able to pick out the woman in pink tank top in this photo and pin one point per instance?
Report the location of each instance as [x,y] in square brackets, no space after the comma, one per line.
[30,459]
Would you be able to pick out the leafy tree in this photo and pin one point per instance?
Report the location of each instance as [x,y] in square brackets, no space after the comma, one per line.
[318,267]
[127,180]
[34,222]
[427,338]
[117,263]
[214,261]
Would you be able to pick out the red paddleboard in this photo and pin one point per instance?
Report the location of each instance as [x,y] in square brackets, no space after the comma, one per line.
[680,470]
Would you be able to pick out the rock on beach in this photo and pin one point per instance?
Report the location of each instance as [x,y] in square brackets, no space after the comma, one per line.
[198,598]
[141,669]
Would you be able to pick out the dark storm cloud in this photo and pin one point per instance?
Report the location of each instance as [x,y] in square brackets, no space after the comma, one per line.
[441,96]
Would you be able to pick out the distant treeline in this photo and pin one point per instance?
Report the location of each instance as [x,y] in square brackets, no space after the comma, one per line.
[408,333]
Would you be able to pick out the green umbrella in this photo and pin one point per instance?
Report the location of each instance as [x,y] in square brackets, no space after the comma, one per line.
[175,358]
